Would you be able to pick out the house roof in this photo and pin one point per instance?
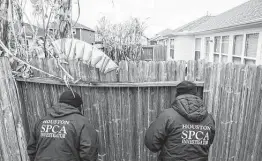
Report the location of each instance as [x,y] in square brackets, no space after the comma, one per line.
[249,12]
[164,32]
[74,25]
[78,25]
[192,25]
[185,28]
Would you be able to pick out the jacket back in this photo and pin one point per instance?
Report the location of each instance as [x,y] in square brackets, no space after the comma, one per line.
[63,135]
[183,132]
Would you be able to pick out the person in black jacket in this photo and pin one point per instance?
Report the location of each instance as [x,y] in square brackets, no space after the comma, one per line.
[64,134]
[183,132]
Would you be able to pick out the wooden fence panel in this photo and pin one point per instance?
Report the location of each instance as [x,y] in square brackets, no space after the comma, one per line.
[160,52]
[147,53]
[121,115]
[12,135]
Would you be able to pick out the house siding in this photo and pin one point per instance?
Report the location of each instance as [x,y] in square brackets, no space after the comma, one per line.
[77,35]
[88,36]
[85,35]
[231,35]
[183,48]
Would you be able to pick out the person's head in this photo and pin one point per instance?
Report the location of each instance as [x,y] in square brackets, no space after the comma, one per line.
[186,87]
[71,98]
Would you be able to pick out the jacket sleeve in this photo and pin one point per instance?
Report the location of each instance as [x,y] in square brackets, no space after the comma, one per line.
[88,144]
[213,131]
[31,147]
[157,132]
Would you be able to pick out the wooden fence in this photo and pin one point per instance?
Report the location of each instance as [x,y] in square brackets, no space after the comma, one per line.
[154,53]
[12,138]
[121,105]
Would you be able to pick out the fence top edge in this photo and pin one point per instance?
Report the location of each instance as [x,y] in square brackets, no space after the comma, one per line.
[41,80]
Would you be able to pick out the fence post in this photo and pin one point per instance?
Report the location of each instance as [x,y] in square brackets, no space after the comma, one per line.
[12,136]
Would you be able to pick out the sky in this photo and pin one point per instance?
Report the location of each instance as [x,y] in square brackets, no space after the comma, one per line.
[158,14]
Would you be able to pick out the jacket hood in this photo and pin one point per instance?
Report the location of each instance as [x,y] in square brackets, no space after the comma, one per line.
[190,107]
[62,109]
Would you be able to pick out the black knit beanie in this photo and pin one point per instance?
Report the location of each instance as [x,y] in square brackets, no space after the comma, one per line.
[71,98]
[186,87]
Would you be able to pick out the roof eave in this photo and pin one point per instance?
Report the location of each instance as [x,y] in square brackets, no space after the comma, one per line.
[228,28]
[84,29]
[181,34]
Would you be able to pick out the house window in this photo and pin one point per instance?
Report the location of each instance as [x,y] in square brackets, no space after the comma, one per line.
[224,49]
[249,44]
[172,45]
[217,44]
[217,49]
[207,49]
[221,49]
[197,48]
[238,45]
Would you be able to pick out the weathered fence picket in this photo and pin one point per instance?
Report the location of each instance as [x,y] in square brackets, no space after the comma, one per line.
[12,135]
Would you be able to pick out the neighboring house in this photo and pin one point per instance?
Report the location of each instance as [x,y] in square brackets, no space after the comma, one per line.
[84,33]
[144,40]
[160,38]
[233,36]
[179,42]
[80,32]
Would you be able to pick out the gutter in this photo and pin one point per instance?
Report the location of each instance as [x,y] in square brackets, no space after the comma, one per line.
[228,28]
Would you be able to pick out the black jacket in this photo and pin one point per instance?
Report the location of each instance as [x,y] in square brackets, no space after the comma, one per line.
[183,132]
[63,135]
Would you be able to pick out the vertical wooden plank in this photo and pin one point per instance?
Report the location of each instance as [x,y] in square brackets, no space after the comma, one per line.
[242,112]
[84,73]
[191,70]
[171,70]
[101,113]
[112,129]
[228,110]
[257,124]
[123,71]
[153,71]
[199,70]
[132,72]
[181,69]
[208,87]
[250,115]
[163,76]
[234,114]
[12,138]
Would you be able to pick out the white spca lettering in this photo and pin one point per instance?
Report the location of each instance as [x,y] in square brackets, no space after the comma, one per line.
[195,134]
[54,128]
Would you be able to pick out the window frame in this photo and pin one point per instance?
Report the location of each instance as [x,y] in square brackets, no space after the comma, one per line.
[244,47]
[220,54]
[199,48]
[207,53]
[172,47]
